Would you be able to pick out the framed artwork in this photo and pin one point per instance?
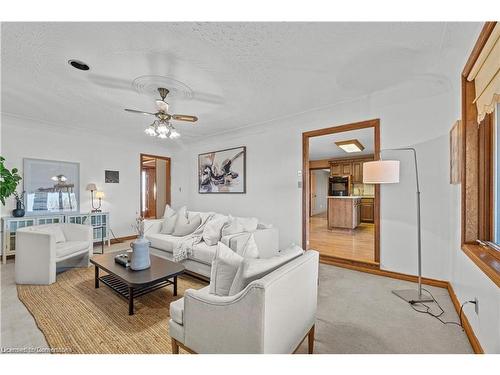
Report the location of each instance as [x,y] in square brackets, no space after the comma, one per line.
[456,153]
[223,171]
[51,186]
[112,177]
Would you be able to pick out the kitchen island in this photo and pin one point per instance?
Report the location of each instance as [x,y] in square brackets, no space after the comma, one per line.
[344,211]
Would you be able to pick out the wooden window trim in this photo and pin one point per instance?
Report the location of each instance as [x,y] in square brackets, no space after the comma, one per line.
[477,173]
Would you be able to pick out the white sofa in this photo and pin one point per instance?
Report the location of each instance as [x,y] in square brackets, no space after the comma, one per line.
[38,253]
[200,261]
[271,315]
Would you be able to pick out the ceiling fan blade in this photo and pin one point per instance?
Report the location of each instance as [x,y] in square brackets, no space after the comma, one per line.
[185,118]
[141,112]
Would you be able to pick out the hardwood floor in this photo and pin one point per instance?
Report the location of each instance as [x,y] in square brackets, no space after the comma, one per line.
[357,244]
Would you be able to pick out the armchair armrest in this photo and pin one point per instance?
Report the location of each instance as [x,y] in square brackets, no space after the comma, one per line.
[152,226]
[213,324]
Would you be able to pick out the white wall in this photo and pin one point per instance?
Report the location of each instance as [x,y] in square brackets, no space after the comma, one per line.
[25,139]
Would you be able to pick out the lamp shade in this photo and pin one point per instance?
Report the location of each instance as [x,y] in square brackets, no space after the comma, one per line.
[99,194]
[91,187]
[381,172]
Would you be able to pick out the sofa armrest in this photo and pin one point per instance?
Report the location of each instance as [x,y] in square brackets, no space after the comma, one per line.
[152,226]
[267,241]
[212,324]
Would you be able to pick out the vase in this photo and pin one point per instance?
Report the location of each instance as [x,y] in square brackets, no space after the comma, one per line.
[140,254]
[19,211]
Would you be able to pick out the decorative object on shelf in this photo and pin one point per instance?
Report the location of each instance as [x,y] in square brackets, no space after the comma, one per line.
[222,171]
[140,259]
[162,126]
[51,186]
[456,153]
[19,211]
[111,177]
[122,259]
[9,179]
[387,172]
[98,194]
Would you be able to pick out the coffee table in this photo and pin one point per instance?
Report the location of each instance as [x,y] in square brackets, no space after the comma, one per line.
[131,284]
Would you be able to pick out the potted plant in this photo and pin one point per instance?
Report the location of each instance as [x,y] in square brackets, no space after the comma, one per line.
[9,179]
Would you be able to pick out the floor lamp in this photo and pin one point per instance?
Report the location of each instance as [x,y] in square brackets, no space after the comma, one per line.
[387,172]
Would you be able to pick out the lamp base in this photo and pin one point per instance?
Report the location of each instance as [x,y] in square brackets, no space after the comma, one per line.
[412,296]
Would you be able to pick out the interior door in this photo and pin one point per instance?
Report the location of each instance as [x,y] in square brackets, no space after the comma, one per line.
[312,204]
[150,209]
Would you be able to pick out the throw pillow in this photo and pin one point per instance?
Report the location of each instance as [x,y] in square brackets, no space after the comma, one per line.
[224,267]
[185,226]
[249,223]
[233,226]
[254,269]
[168,225]
[250,249]
[212,231]
[169,211]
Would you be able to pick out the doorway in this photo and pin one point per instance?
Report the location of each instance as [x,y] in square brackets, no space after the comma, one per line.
[341,214]
[154,185]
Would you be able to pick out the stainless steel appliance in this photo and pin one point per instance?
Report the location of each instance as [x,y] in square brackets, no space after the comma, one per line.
[339,186]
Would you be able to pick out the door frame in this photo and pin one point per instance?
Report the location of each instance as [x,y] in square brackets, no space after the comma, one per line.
[169,178]
[375,124]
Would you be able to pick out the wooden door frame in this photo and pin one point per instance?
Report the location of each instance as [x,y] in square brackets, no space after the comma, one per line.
[375,124]
[169,177]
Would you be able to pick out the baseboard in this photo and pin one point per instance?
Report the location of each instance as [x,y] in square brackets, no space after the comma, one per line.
[328,259]
[122,239]
[474,342]
[374,269]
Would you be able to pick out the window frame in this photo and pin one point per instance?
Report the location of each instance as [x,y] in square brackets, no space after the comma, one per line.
[478,174]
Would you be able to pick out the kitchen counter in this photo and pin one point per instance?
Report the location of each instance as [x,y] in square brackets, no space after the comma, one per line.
[345,196]
[344,212]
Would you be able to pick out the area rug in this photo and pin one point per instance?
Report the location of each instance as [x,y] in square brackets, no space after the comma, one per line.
[77,318]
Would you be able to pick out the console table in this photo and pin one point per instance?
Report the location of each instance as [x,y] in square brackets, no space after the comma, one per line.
[98,220]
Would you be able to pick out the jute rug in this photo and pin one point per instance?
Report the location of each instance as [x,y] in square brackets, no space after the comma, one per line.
[77,318]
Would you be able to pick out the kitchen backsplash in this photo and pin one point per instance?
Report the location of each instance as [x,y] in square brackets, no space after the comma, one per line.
[363,189]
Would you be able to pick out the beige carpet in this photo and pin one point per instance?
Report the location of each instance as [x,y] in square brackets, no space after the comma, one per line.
[77,318]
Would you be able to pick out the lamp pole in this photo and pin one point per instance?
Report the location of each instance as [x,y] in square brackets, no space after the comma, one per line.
[410,295]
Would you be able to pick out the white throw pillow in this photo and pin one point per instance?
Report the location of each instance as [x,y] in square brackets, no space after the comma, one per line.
[264,226]
[185,226]
[212,231]
[254,269]
[250,250]
[237,225]
[224,267]
[169,211]
[249,223]
[168,225]
[55,231]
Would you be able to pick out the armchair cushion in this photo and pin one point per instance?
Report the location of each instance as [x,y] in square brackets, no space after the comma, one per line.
[177,311]
[224,268]
[63,249]
[254,269]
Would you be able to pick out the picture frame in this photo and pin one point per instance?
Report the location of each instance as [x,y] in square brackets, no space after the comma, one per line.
[51,186]
[456,153]
[111,177]
[222,171]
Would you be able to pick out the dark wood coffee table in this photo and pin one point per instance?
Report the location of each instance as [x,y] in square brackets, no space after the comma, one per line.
[132,284]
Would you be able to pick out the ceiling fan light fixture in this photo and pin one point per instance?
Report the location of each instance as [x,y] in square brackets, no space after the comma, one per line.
[150,130]
[162,136]
[174,134]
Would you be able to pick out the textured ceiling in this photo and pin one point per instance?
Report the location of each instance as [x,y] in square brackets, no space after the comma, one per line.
[324,147]
[240,73]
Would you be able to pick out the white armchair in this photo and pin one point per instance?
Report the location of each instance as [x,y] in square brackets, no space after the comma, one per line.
[271,315]
[38,253]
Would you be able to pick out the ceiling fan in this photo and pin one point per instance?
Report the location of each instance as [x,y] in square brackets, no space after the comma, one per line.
[162,126]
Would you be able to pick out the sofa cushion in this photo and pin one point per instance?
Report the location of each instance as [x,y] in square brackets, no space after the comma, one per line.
[250,249]
[239,225]
[169,211]
[224,267]
[254,269]
[168,225]
[213,228]
[163,242]
[203,253]
[64,249]
[177,311]
[185,226]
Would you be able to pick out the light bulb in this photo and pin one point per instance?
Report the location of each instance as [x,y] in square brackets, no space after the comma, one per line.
[150,130]
[162,128]
[174,134]
[162,135]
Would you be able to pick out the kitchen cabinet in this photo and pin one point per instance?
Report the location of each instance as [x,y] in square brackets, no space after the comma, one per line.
[344,212]
[335,169]
[346,169]
[357,172]
[367,210]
